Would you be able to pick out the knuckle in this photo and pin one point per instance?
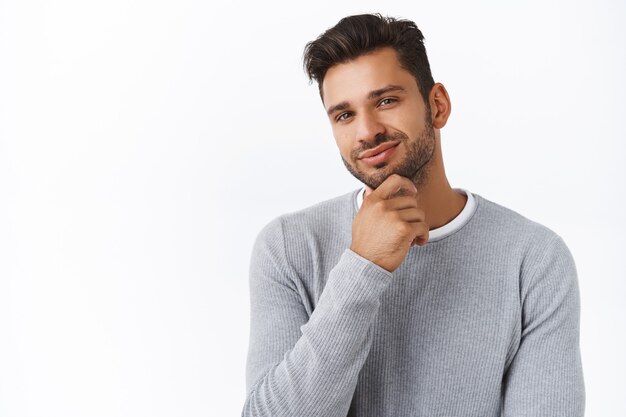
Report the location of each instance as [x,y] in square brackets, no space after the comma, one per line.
[383,205]
[403,227]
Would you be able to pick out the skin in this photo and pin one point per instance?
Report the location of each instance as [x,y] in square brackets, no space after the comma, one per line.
[408,194]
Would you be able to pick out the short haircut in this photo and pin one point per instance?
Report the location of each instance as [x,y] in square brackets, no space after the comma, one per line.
[357,35]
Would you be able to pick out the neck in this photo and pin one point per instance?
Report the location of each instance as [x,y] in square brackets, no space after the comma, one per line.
[440,202]
[436,197]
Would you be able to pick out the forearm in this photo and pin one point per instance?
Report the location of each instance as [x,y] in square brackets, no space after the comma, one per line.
[318,376]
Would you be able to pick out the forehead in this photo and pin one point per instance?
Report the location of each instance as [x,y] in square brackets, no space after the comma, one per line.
[354,79]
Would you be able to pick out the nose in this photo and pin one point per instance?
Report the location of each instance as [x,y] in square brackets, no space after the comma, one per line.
[368,127]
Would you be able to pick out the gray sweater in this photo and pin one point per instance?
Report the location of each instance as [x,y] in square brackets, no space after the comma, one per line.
[481,322]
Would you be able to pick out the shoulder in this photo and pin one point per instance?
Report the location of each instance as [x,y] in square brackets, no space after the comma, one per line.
[544,253]
[295,241]
[320,218]
[510,225]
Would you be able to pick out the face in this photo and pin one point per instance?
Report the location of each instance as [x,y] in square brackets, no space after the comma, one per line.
[379,119]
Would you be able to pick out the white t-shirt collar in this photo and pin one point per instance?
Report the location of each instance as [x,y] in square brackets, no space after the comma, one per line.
[448,228]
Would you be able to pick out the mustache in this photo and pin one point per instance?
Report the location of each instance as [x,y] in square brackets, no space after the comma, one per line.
[378,139]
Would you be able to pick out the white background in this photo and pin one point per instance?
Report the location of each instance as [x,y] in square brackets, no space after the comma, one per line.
[143,144]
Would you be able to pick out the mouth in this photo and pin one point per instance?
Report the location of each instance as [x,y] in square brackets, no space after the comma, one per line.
[379,154]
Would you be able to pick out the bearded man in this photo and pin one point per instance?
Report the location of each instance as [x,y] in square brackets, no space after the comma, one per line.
[406,297]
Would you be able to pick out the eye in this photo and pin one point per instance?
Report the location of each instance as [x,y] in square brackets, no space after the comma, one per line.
[342,117]
[386,101]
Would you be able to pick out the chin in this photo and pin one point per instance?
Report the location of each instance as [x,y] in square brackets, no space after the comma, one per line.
[376,176]
[371,176]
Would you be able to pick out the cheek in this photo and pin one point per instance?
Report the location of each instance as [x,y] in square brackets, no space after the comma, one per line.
[407,119]
[345,145]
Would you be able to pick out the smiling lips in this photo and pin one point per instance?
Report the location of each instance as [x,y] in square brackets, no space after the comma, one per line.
[379,154]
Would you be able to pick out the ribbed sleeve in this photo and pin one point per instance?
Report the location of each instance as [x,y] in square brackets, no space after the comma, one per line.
[317,373]
[545,377]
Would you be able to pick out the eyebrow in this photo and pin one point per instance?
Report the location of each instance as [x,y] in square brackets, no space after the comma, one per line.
[372,95]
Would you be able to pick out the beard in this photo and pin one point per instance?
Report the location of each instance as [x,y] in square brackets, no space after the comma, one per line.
[414,166]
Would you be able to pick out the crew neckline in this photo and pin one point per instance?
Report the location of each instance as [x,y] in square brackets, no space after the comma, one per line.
[447,229]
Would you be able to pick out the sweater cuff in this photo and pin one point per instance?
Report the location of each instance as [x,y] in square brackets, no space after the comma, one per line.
[371,264]
[356,278]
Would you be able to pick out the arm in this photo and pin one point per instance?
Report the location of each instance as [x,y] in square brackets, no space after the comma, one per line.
[545,377]
[299,365]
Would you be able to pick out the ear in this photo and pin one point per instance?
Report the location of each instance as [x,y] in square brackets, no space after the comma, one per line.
[440,105]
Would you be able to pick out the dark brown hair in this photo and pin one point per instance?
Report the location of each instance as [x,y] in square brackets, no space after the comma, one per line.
[356,35]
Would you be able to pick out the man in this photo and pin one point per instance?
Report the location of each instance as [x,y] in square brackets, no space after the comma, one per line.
[409,297]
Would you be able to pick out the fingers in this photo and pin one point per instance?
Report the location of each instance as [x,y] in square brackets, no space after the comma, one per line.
[400,203]
[411,215]
[399,194]
[420,241]
[421,233]
[395,185]
[414,219]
